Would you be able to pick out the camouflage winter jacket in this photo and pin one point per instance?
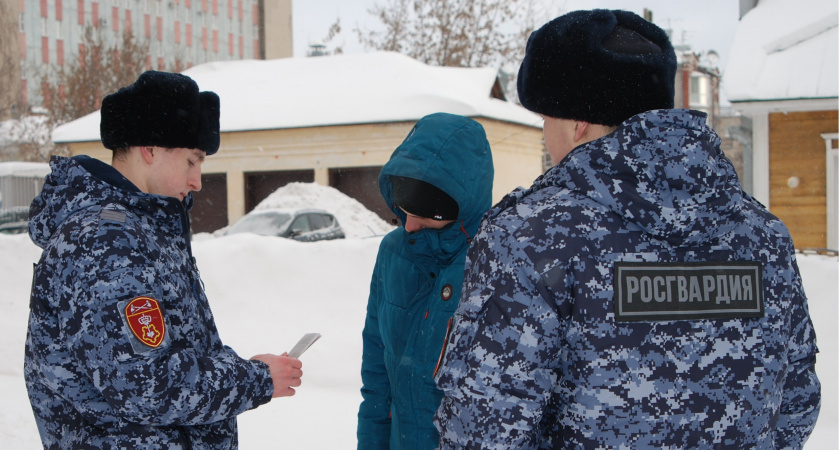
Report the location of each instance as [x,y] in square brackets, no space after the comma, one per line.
[634,297]
[122,350]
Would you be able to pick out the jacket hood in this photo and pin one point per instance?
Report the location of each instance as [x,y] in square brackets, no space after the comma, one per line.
[450,152]
[82,182]
[663,171]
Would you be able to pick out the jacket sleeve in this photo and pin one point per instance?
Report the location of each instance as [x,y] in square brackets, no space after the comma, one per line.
[499,370]
[374,426]
[801,396]
[170,384]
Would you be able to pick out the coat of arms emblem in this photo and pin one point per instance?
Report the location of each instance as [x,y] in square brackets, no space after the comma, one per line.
[145,319]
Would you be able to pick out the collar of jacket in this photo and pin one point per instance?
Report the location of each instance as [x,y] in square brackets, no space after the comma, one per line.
[661,170]
[81,182]
[432,248]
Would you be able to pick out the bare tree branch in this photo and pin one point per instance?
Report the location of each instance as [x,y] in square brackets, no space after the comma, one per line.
[77,89]
[9,61]
[71,91]
[457,33]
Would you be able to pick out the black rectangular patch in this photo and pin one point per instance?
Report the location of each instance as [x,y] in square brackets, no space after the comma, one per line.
[114,216]
[687,291]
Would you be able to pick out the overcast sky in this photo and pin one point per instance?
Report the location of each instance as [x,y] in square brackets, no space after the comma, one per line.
[706,25]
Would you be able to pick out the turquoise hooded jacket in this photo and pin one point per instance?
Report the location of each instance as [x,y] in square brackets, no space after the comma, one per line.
[416,283]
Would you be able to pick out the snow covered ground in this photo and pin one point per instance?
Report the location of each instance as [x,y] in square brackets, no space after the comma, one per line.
[266,292]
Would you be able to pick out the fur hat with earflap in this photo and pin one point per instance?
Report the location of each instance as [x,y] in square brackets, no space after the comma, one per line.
[161,109]
[600,66]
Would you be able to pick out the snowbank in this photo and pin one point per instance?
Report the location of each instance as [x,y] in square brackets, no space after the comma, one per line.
[356,220]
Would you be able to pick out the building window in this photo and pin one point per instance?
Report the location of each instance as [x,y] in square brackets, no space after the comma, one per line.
[59,52]
[699,96]
[58,29]
[43,26]
[45,50]
[158,7]
[21,28]
[22,69]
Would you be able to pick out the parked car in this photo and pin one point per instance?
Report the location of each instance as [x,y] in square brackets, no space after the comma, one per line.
[14,220]
[305,225]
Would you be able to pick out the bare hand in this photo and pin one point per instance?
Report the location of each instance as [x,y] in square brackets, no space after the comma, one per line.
[285,373]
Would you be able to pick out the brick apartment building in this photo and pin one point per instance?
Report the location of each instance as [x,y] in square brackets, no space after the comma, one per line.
[49,33]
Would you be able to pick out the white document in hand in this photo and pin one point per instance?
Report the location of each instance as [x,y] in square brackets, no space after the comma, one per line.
[307,340]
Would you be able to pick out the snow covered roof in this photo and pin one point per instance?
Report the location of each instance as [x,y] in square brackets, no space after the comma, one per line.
[335,90]
[24,169]
[784,50]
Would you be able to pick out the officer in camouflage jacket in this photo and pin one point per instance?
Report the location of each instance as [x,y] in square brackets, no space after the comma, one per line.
[122,350]
[634,297]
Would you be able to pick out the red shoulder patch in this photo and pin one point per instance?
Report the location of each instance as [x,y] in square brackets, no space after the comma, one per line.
[145,318]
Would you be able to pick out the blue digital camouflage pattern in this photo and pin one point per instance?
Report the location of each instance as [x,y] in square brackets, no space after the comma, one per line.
[92,384]
[415,286]
[537,359]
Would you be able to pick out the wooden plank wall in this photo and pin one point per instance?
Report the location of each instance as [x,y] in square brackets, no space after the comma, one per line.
[797,153]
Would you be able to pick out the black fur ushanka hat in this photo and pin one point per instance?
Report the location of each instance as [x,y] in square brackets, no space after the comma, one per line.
[161,109]
[599,66]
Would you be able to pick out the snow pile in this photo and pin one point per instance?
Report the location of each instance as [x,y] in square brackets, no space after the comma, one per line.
[23,169]
[266,292]
[356,220]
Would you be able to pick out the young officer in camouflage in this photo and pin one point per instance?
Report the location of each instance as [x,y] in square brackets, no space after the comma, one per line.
[122,350]
[634,296]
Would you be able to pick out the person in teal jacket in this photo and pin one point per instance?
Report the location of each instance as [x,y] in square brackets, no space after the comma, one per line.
[439,184]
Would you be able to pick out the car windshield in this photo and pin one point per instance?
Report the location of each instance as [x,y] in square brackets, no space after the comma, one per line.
[268,224]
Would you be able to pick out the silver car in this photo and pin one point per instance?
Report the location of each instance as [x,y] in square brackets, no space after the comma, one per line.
[306,225]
